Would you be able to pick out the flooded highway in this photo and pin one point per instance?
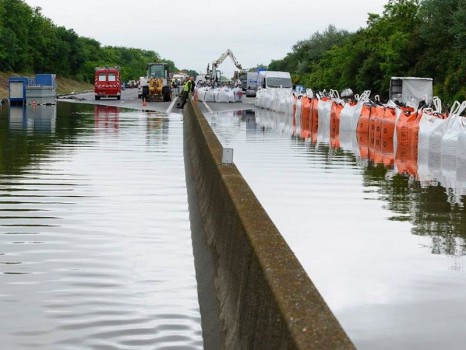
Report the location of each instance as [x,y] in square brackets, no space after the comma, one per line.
[385,250]
[95,248]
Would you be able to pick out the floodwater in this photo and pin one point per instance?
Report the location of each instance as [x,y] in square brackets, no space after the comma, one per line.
[386,251]
[95,240]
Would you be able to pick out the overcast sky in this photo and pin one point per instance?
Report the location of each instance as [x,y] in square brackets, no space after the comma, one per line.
[194,33]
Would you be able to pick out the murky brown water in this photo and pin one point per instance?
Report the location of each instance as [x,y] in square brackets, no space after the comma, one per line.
[95,242]
[386,251]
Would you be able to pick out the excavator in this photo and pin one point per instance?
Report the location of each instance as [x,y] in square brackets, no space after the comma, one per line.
[212,75]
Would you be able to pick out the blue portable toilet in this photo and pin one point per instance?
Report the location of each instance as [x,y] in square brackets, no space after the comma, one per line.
[17,90]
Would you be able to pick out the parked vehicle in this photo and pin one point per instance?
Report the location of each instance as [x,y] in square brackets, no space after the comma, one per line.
[243,78]
[274,79]
[411,89]
[107,82]
[141,83]
[156,85]
[251,83]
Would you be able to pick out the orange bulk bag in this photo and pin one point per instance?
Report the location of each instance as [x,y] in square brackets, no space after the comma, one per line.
[314,119]
[305,116]
[335,113]
[363,121]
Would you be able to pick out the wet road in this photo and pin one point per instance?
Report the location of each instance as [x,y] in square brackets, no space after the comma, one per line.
[129,99]
[95,248]
[386,252]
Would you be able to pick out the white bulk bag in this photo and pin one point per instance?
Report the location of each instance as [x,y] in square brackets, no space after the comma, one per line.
[221,96]
[461,150]
[238,94]
[231,96]
[201,93]
[323,110]
[209,96]
[449,142]
[429,121]
[435,137]
[299,106]
[350,115]
[260,98]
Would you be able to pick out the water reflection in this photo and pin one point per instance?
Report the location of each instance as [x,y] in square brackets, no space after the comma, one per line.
[422,188]
[157,128]
[95,248]
[106,118]
[32,118]
[384,247]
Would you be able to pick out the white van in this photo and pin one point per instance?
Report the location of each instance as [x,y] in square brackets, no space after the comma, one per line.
[273,79]
[251,83]
[142,82]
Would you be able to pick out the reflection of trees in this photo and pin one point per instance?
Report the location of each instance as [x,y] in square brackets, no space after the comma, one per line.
[20,149]
[426,208]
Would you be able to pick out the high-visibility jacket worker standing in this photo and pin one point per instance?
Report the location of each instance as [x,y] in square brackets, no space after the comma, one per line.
[186,90]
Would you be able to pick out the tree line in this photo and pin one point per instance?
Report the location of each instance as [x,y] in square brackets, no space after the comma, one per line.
[31,43]
[422,38]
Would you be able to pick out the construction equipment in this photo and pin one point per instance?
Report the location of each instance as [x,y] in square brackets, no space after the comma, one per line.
[158,83]
[212,74]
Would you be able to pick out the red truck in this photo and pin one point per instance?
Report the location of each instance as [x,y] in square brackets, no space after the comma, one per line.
[107,82]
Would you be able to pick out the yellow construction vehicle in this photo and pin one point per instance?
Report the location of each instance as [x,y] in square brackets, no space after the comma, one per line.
[158,83]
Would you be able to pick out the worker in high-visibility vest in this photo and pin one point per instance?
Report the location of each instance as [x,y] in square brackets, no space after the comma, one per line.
[188,86]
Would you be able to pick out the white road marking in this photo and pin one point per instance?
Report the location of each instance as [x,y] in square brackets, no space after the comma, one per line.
[169,110]
[206,106]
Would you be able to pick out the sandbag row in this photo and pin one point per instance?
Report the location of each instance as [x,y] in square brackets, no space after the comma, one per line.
[225,95]
[410,139]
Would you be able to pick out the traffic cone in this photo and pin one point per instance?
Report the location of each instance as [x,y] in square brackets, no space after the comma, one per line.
[144,102]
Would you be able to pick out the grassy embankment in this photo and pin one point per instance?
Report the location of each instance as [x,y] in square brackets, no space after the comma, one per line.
[64,85]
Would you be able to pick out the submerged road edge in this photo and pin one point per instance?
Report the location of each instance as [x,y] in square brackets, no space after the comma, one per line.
[266,298]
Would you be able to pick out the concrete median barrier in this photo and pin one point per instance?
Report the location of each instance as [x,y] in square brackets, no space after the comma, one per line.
[267,301]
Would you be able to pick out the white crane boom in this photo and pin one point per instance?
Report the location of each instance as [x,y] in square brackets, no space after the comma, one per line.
[219,61]
[212,74]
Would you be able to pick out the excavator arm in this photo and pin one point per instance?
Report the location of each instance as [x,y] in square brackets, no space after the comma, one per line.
[220,60]
[212,73]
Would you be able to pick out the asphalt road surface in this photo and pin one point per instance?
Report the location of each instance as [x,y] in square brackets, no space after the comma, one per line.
[129,99]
